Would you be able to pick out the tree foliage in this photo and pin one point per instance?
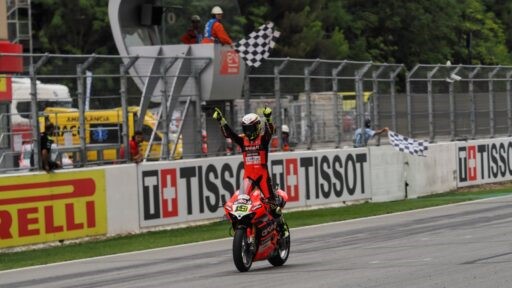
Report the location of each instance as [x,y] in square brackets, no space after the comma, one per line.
[72,26]
[400,31]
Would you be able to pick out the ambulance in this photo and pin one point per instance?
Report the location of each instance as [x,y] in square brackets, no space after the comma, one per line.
[104,128]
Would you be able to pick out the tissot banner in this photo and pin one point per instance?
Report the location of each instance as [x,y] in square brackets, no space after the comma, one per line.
[181,191]
[484,161]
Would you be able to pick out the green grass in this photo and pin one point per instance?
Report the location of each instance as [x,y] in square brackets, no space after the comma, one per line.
[217,230]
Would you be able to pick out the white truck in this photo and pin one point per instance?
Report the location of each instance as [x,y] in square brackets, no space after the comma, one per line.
[48,95]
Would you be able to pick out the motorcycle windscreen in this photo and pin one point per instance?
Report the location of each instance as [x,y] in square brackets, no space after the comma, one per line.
[247,187]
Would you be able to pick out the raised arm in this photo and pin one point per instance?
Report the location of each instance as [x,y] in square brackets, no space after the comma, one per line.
[226,129]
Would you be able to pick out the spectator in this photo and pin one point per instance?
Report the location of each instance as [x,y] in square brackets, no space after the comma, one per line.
[214,30]
[194,33]
[361,137]
[46,141]
[285,141]
[136,156]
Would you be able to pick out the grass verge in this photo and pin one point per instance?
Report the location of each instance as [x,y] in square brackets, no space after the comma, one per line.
[217,230]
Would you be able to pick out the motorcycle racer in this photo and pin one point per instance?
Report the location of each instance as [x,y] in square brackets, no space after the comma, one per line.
[254,146]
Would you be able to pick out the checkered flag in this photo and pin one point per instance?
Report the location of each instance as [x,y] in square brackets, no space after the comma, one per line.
[408,145]
[257,45]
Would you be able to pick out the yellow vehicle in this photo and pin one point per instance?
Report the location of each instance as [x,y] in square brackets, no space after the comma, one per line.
[103,129]
[349,99]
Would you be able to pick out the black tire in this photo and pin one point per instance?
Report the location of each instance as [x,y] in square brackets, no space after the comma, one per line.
[242,255]
[283,250]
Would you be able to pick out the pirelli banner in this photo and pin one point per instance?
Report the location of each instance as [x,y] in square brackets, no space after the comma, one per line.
[189,190]
[484,161]
[37,208]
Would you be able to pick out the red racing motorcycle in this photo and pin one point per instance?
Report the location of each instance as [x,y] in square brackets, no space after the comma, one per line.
[257,235]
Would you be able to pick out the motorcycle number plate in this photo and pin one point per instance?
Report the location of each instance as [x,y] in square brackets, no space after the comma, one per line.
[242,208]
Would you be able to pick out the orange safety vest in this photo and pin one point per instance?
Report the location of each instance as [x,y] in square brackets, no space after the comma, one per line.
[214,33]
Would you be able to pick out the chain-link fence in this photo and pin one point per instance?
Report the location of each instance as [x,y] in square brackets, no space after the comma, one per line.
[95,103]
[458,102]
[324,101]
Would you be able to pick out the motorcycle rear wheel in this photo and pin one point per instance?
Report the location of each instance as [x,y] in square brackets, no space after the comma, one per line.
[242,255]
[282,251]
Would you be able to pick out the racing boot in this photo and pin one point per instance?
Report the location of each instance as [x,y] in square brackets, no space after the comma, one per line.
[281,228]
[275,205]
[277,202]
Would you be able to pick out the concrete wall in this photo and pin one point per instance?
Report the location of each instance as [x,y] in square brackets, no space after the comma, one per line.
[110,200]
[387,170]
[122,199]
[434,173]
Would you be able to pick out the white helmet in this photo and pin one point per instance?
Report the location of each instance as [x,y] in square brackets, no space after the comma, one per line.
[251,125]
[285,129]
[217,10]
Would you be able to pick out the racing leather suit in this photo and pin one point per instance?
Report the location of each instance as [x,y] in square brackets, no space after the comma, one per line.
[255,156]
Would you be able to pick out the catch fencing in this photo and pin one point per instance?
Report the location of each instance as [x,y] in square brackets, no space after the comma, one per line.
[322,102]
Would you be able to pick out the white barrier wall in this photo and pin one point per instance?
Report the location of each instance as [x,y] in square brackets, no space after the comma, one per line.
[122,199]
[110,200]
[387,173]
[397,175]
[434,173]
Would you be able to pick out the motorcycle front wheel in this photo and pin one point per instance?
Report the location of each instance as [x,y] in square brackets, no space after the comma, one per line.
[242,255]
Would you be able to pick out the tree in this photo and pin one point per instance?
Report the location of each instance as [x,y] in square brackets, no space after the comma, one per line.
[309,29]
[399,31]
[72,27]
[402,31]
[503,12]
[76,27]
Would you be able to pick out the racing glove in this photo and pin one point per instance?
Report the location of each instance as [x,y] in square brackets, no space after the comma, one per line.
[267,112]
[217,115]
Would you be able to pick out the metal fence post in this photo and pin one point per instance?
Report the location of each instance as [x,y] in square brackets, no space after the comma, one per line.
[452,111]
[360,95]
[336,106]
[247,92]
[200,122]
[123,82]
[307,90]
[80,70]
[165,140]
[509,104]
[277,95]
[431,103]
[392,87]
[375,96]
[165,107]
[473,102]
[35,111]
[452,106]
[409,99]
[491,101]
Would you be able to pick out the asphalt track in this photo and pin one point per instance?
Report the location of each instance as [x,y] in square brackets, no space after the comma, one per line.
[464,245]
